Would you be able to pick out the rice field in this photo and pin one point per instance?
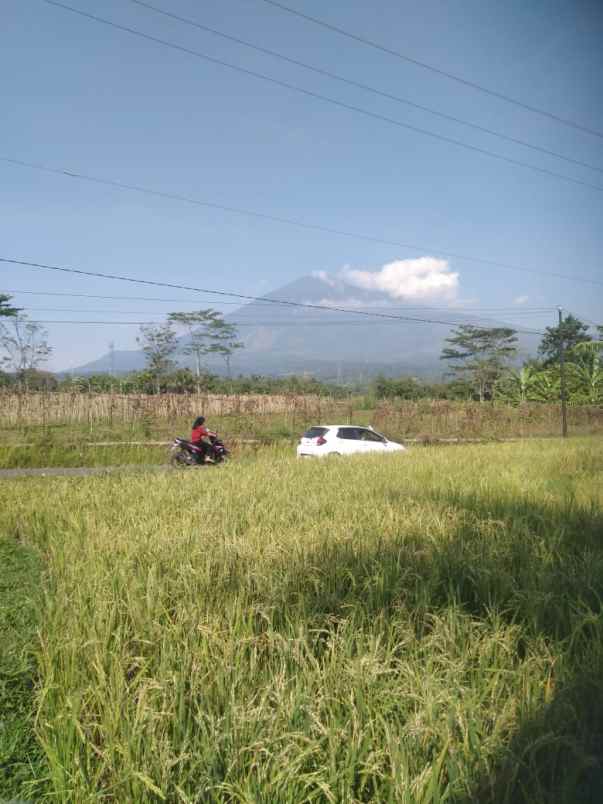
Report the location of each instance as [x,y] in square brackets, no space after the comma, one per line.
[422,628]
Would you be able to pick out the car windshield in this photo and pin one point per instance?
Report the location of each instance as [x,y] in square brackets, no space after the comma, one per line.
[315,432]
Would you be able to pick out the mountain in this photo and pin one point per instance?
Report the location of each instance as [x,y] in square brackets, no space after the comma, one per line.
[330,344]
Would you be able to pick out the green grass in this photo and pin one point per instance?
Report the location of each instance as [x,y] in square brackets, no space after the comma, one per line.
[422,628]
[81,455]
[21,760]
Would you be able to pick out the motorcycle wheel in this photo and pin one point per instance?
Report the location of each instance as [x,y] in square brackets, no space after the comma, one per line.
[180,458]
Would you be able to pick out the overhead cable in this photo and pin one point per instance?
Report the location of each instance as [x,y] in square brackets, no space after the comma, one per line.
[240,321]
[310,93]
[246,297]
[113,298]
[466,82]
[266,324]
[359,85]
[434,251]
[453,309]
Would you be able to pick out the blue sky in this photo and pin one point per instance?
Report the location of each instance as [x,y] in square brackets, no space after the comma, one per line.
[87,97]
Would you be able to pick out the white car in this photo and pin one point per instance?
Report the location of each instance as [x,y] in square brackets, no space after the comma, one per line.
[344,439]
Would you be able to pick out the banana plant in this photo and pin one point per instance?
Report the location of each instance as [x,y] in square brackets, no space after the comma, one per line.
[528,384]
[586,373]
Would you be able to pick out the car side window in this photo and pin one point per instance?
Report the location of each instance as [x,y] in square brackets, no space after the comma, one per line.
[370,435]
[349,433]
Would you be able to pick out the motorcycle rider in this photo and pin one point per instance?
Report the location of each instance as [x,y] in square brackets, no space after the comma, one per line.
[201,437]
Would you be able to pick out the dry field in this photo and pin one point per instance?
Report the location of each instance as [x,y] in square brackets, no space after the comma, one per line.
[425,418]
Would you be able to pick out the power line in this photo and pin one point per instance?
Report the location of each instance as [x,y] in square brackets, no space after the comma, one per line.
[286,221]
[472,84]
[112,298]
[267,324]
[360,85]
[325,98]
[241,322]
[173,285]
[103,323]
[502,310]
[113,312]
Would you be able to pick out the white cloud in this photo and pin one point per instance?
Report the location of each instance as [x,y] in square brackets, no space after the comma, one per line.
[421,278]
[520,300]
[324,277]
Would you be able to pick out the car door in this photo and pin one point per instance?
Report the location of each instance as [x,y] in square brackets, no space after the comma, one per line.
[371,441]
[348,441]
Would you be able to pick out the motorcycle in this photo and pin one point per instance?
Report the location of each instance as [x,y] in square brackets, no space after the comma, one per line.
[185,453]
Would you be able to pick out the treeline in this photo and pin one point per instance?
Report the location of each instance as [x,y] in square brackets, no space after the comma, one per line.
[482,364]
[569,363]
[534,382]
[185,381]
[180,381]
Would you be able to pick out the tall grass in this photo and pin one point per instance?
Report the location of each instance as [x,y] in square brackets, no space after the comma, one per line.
[54,407]
[252,414]
[422,628]
[21,757]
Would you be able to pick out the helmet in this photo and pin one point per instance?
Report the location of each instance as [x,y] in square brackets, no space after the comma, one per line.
[199,421]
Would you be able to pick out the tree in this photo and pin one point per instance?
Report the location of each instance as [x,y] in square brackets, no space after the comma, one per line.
[570,332]
[517,386]
[208,334]
[586,373]
[402,388]
[197,326]
[23,343]
[480,355]
[223,337]
[530,384]
[38,380]
[6,309]
[159,343]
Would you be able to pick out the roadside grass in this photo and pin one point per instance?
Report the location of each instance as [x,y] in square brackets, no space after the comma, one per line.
[82,455]
[420,628]
[75,445]
[21,757]
[87,455]
[117,442]
[156,429]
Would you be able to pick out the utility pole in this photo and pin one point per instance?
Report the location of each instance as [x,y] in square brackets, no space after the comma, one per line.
[562,372]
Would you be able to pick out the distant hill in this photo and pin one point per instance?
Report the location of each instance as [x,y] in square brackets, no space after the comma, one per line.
[282,339]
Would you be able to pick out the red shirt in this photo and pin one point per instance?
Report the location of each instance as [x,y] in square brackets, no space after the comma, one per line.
[200,432]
